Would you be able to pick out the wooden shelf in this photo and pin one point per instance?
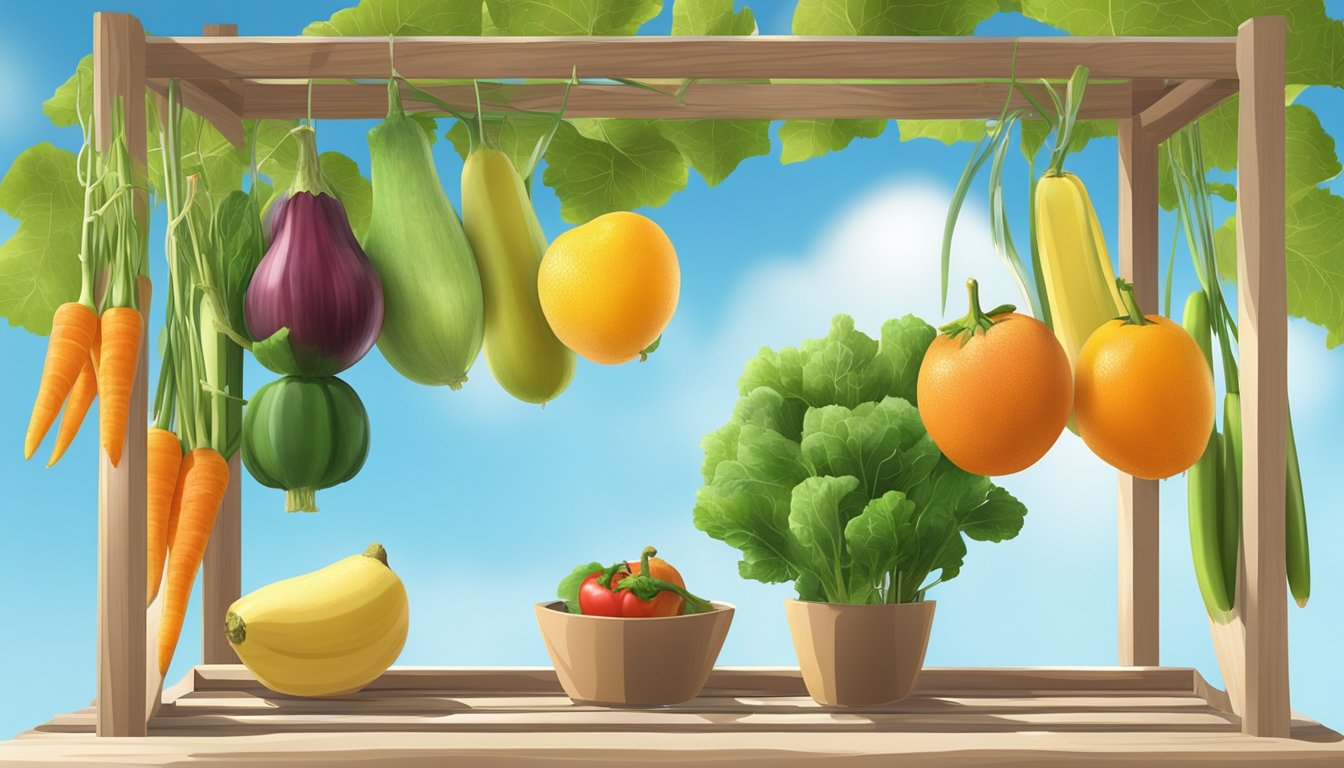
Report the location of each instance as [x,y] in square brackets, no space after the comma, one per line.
[1149,716]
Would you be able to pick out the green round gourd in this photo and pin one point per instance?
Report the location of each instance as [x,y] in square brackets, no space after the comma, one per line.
[301,434]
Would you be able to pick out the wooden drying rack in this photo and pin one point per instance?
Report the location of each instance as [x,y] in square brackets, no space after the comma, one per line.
[1151,86]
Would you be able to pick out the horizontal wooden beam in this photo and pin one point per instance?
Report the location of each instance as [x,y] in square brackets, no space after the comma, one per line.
[690,57]
[943,101]
[1182,104]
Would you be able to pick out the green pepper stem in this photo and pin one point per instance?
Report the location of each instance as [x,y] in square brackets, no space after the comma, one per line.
[1135,315]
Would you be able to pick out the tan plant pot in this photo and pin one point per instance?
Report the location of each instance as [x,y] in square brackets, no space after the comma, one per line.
[633,662]
[859,655]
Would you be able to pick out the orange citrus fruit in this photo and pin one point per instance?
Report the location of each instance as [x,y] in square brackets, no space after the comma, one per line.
[1143,395]
[994,390]
[609,287]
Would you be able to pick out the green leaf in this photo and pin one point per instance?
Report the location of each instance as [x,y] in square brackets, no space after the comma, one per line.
[946,131]
[571,17]
[817,524]
[39,264]
[711,17]
[275,353]
[354,191]
[874,540]
[239,246]
[569,586]
[1035,133]
[380,18]
[427,122]
[846,367]
[747,503]
[714,148]
[1314,39]
[61,108]
[1314,250]
[600,166]
[806,139]
[205,153]
[981,509]
[890,17]
[883,444]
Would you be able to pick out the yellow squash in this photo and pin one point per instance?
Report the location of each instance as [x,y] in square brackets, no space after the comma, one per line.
[326,633]
[523,353]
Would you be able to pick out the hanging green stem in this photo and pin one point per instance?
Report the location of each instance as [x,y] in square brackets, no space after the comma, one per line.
[1134,315]
[975,320]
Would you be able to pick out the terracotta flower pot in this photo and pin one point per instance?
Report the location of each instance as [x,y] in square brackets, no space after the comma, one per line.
[633,662]
[859,655]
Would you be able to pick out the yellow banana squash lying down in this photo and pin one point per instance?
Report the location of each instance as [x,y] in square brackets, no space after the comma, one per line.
[326,633]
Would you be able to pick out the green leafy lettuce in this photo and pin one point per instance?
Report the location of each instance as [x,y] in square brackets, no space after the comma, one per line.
[824,475]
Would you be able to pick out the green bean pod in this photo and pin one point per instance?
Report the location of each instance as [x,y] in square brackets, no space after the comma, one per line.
[1201,483]
[1297,555]
[1229,504]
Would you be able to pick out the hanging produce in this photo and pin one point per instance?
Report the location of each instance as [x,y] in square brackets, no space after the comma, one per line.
[1214,484]
[303,434]
[1143,394]
[1076,267]
[94,348]
[608,288]
[524,355]
[994,389]
[433,320]
[315,280]
[326,633]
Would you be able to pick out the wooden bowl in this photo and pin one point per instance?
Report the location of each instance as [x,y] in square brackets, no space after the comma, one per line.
[646,662]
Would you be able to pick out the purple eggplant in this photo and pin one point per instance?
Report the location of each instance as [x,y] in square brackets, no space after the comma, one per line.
[315,279]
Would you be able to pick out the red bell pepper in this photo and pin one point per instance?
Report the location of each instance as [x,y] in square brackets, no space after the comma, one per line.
[649,588]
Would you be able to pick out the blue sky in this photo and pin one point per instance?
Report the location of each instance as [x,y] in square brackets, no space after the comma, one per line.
[484,503]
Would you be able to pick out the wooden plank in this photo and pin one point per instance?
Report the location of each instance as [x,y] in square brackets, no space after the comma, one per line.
[1138,498]
[780,748]
[1262,317]
[770,681]
[220,102]
[701,100]
[691,57]
[1182,104]
[119,62]
[222,571]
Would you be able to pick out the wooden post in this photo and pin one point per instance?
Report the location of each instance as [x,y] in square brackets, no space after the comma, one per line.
[221,578]
[1262,301]
[1138,499]
[119,76]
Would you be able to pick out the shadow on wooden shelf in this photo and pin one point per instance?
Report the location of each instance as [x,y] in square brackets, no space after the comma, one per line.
[1149,716]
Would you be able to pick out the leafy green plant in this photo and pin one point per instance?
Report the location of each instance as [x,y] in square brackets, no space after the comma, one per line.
[824,475]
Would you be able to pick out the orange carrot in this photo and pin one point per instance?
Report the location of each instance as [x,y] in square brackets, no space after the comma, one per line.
[72,330]
[81,398]
[204,476]
[119,350]
[164,461]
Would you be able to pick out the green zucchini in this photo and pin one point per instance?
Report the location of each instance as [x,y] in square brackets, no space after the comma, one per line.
[1298,554]
[1202,488]
[433,317]
[523,353]
[1229,503]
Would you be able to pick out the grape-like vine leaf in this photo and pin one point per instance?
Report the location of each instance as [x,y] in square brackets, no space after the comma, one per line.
[39,265]
[571,17]
[380,18]
[611,165]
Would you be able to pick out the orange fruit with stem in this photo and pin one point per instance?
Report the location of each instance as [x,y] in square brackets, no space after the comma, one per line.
[994,389]
[608,288]
[1143,394]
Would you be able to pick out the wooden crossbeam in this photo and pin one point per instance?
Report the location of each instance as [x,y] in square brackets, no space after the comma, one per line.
[701,100]
[220,102]
[1182,104]
[197,58]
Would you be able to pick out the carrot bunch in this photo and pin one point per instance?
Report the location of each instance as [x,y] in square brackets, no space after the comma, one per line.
[92,353]
[195,411]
